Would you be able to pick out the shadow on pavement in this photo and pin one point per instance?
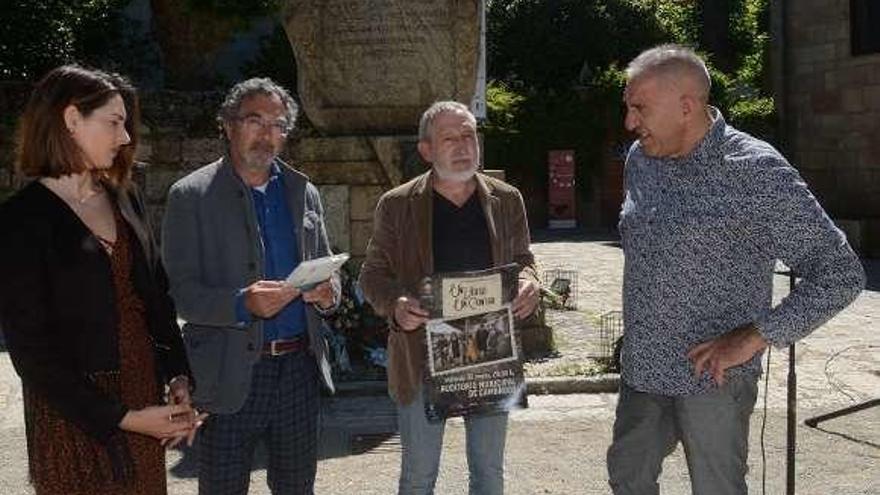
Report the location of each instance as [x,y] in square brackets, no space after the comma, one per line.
[849,437]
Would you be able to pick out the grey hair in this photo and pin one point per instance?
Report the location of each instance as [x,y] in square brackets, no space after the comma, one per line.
[257,85]
[670,60]
[436,109]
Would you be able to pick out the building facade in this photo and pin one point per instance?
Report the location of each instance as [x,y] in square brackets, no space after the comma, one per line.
[826,59]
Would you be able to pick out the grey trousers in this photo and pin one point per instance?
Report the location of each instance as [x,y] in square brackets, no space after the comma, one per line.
[713,429]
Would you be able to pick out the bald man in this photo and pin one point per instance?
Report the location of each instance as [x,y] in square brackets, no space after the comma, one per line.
[708,211]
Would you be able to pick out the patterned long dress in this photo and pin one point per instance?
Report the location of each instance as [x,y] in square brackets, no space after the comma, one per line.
[62,458]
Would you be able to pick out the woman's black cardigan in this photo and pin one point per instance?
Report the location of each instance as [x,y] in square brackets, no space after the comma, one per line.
[58,305]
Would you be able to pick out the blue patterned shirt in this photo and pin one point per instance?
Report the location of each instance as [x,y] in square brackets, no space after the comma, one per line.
[701,235]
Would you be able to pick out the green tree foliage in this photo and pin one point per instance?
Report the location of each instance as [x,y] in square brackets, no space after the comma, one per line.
[556,79]
[36,36]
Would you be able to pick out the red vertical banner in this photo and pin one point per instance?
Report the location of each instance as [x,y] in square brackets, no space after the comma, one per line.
[561,166]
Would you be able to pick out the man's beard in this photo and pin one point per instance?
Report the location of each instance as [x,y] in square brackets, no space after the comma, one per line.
[456,176]
[259,157]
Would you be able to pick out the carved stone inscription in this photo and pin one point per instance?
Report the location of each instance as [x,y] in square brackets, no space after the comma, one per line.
[374,65]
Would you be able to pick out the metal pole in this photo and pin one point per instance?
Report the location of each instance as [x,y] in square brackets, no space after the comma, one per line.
[792,408]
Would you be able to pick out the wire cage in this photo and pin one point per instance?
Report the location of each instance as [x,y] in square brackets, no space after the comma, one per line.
[564,286]
[610,332]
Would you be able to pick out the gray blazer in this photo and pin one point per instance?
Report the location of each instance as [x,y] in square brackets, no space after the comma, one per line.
[211,248]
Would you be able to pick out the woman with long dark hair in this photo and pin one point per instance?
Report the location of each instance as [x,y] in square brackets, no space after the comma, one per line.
[83,297]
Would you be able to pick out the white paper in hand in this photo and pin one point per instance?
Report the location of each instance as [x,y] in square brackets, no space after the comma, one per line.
[312,272]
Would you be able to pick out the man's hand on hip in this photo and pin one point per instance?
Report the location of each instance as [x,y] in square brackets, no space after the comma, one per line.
[408,313]
[731,349]
[265,298]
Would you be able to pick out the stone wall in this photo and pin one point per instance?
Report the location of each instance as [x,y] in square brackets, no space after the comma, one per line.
[347,171]
[832,116]
[179,134]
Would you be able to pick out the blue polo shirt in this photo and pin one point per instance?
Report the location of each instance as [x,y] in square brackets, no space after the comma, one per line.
[280,256]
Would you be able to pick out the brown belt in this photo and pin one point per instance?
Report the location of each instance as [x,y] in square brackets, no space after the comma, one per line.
[282,347]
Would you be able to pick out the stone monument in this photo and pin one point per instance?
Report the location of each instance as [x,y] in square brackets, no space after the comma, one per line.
[367,69]
[372,66]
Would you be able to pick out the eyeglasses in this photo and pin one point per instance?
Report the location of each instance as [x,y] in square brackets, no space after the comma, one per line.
[255,123]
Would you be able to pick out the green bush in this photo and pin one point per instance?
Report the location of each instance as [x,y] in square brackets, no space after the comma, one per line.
[757,116]
[556,77]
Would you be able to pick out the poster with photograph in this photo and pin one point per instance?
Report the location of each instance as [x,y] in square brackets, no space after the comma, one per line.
[474,362]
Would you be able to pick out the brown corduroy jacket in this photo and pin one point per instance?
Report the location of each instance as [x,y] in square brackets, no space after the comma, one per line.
[400,255]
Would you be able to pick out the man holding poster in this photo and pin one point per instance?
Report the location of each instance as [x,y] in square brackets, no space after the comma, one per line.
[449,220]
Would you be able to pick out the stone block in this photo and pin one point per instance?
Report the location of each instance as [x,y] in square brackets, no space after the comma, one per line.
[872,97]
[825,52]
[336,216]
[392,153]
[165,149]
[867,121]
[354,173]
[825,102]
[375,66]
[875,142]
[809,160]
[361,232]
[144,152]
[852,101]
[802,68]
[201,150]
[833,122]
[158,181]
[854,140]
[841,50]
[875,74]
[864,73]
[869,159]
[802,55]
[333,149]
[363,201]
[831,81]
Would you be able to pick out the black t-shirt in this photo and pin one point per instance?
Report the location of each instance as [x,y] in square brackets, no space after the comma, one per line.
[460,235]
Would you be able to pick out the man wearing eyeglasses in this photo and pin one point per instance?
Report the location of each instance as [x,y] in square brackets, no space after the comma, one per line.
[233,230]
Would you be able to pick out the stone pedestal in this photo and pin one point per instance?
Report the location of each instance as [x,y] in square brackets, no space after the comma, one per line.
[352,173]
